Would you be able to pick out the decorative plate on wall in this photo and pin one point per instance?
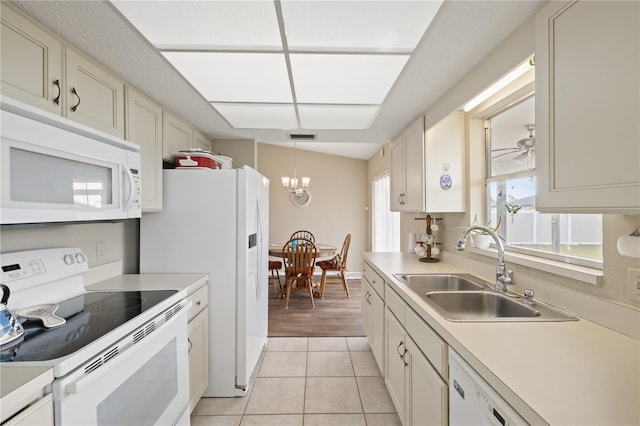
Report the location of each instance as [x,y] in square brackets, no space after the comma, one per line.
[300,198]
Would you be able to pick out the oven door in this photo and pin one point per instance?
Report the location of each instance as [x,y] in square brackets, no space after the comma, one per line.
[145,384]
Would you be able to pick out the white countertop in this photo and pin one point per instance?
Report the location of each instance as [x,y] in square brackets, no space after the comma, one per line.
[180,282]
[559,373]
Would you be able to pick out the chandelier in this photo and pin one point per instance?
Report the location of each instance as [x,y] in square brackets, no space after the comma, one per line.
[291,183]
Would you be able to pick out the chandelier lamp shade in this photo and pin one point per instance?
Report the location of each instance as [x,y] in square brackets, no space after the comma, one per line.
[297,187]
[291,183]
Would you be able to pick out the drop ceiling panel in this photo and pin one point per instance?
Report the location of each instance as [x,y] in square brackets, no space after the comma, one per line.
[259,116]
[344,79]
[205,24]
[351,117]
[235,77]
[351,26]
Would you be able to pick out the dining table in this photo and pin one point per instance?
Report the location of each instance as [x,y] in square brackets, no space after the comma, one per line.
[325,251]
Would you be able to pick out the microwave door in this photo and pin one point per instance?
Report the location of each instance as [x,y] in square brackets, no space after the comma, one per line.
[44,185]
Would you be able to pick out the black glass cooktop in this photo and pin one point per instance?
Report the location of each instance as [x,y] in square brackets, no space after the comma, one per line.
[89,317]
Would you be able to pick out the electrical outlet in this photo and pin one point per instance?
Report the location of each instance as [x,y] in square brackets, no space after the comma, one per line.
[633,284]
[101,251]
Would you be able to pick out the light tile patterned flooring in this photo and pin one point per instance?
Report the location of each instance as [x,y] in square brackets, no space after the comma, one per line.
[308,381]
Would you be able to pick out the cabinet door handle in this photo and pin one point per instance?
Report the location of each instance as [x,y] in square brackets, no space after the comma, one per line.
[190,345]
[403,353]
[56,100]
[75,92]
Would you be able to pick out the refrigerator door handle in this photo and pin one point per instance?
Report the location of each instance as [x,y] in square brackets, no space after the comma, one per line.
[262,266]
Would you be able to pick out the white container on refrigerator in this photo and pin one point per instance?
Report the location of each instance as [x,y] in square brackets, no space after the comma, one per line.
[216,222]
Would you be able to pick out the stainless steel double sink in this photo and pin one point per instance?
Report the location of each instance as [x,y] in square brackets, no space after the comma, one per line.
[464,297]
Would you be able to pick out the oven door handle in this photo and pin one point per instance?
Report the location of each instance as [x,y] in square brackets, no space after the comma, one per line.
[122,360]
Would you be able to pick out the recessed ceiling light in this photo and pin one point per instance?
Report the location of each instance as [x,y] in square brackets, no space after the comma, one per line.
[235,77]
[353,26]
[258,116]
[344,79]
[348,117]
[221,25]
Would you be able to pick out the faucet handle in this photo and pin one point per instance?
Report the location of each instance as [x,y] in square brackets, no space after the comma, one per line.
[528,297]
[510,276]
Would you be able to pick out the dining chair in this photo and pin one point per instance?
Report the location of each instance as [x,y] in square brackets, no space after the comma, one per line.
[274,268]
[299,257]
[306,235]
[336,265]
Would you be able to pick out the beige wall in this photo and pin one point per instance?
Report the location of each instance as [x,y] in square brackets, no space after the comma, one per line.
[121,240]
[243,151]
[338,204]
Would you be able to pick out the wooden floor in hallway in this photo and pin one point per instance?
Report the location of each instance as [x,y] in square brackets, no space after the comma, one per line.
[335,315]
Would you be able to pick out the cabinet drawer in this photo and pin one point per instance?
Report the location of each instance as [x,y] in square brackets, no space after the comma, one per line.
[395,304]
[40,413]
[428,341]
[374,279]
[199,300]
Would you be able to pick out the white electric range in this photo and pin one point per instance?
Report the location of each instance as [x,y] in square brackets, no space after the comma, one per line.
[118,357]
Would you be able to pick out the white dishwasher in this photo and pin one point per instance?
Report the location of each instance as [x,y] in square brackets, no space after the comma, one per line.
[472,402]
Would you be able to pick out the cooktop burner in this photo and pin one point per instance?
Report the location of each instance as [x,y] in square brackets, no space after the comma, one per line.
[89,317]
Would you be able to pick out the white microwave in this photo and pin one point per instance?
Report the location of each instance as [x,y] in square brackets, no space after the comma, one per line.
[55,170]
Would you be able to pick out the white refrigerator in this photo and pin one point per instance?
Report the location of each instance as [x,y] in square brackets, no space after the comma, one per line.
[217,222]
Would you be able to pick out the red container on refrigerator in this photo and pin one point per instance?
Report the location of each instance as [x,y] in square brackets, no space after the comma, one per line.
[196,159]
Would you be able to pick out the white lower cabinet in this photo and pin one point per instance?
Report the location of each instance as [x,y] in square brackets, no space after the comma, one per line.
[395,363]
[198,346]
[426,394]
[373,313]
[416,388]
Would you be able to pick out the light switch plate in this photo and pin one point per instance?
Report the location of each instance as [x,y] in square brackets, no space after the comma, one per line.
[633,284]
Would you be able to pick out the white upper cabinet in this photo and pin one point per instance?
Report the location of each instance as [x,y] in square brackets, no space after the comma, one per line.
[30,63]
[94,96]
[144,127]
[407,170]
[427,168]
[177,135]
[588,107]
[34,71]
[445,165]
[201,141]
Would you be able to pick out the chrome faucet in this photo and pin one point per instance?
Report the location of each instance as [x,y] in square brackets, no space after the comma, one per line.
[503,277]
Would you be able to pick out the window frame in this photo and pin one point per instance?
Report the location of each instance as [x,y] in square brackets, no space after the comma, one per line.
[513,100]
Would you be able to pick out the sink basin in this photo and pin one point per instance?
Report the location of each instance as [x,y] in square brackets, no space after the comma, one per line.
[423,283]
[489,306]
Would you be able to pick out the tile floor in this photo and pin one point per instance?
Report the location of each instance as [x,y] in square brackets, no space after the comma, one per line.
[308,381]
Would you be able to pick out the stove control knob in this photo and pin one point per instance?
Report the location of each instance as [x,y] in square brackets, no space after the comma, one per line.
[68,259]
[80,258]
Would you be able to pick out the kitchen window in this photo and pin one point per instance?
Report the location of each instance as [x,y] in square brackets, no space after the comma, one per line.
[386,224]
[510,195]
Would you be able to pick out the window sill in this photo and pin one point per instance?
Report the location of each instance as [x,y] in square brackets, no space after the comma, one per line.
[579,273]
